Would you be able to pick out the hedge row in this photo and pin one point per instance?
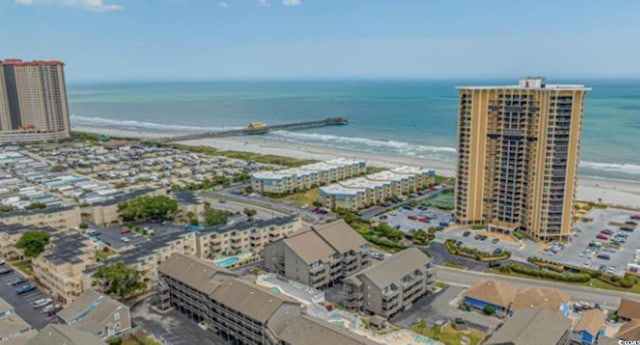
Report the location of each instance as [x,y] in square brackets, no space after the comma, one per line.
[521,269]
[474,254]
[559,267]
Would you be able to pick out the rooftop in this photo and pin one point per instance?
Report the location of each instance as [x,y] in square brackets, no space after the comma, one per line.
[629,308]
[630,330]
[252,224]
[529,83]
[532,297]
[498,293]
[125,196]
[591,321]
[537,326]
[199,274]
[46,210]
[187,197]
[66,249]
[54,334]
[336,188]
[90,310]
[305,330]
[393,269]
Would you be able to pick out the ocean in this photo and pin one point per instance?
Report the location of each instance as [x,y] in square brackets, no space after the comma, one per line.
[416,118]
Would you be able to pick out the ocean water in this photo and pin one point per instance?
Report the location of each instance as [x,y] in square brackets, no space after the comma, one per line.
[416,118]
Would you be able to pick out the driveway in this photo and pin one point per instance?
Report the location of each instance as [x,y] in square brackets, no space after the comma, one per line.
[437,307]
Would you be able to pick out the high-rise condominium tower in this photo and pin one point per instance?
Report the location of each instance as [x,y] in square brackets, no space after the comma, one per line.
[33,101]
[518,157]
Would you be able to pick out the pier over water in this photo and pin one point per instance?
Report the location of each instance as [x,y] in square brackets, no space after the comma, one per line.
[256,128]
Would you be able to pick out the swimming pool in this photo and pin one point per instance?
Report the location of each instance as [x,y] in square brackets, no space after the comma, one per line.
[275,290]
[226,262]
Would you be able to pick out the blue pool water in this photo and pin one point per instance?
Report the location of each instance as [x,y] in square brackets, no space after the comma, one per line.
[227,262]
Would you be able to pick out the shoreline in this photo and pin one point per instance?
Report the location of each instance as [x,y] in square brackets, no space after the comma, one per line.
[614,192]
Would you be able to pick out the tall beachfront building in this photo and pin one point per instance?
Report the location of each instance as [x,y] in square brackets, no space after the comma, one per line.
[33,101]
[518,157]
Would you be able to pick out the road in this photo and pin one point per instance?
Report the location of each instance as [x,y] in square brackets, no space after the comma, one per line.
[606,298]
[233,206]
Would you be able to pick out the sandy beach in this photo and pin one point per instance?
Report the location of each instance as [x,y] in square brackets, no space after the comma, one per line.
[614,192]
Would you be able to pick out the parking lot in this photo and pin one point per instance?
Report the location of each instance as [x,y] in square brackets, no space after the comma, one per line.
[490,242]
[173,328]
[113,236]
[611,252]
[23,304]
[409,219]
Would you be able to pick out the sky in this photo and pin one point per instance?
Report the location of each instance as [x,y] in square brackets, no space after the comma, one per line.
[140,40]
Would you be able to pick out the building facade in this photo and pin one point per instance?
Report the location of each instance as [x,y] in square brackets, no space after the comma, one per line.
[518,157]
[319,257]
[33,101]
[392,285]
[97,314]
[59,217]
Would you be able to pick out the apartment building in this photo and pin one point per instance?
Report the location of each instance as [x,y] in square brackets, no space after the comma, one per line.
[11,234]
[320,256]
[518,157]
[12,326]
[533,326]
[33,101]
[365,191]
[59,269]
[307,176]
[249,236]
[241,312]
[391,285]
[106,212]
[147,256]
[58,217]
[189,204]
[97,314]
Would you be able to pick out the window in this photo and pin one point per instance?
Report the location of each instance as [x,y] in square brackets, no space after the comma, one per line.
[117,325]
[116,316]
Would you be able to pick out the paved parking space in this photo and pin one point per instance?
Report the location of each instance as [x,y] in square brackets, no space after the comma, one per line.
[438,307]
[173,328]
[520,250]
[112,236]
[410,220]
[23,303]
[579,253]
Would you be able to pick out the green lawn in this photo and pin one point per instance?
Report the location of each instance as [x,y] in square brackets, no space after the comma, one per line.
[301,198]
[454,265]
[23,266]
[449,335]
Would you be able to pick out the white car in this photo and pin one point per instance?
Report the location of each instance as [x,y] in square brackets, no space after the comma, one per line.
[46,301]
[125,239]
[611,270]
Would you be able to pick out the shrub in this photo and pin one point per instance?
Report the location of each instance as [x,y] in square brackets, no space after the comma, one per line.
[477,227]
[518,235]
[488,310]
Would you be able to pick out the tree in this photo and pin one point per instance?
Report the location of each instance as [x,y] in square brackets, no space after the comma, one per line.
[33,242]
[6,208]
[158,207]
[420,236]
[58,168]
[488,310]
[249,212]
[207,205]
[190,215]
[248,190]
[316,203]
[36,205]
[84,226]
[213,217]
[120,280]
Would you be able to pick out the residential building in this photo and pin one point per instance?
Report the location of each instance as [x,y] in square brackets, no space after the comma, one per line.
[11,234]
[532,297]
[628,309]
[97,314]
[11,324]
[518,157]
[248,236]
[33,101]
[59,269]
[589,327]
[307,176]
[629,331]
[58,217]
[533,326]
[495,294]
[391,285]
[147,256]
[240,311]
[189,204]
[53,334]
[364,191]
[106,212]
[319,257]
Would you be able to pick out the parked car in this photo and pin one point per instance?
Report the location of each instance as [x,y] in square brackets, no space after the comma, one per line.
[602,268]
[25,289]
[412,217]
[18,281]
[604,256]
[466,234]
[494,264]
[631,222]
[602,237]
[43,302]
[495,240]
[125,230]
[383,217]
[626,228]
[5,270]
[607,232]
[635,217]
[611,269]
[408,208]
[125,239]
[444,224]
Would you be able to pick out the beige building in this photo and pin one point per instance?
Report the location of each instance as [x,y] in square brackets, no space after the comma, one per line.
[147,256]
[319,257]
[518,157]
[307,176]
[59,269]
[250,236]
[97,314]
[33,101]
[240,311]
[12,326]
[533,326]
[189,204]
[391,285]
[10,235]
[58,217]
[53,334]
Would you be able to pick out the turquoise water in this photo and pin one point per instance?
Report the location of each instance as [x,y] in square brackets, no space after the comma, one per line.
[415,118]
[227,262]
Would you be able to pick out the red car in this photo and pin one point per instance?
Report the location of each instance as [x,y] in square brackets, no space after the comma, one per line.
[125,230]
[635,217]
[413,217]
[423,219]
[602,237]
